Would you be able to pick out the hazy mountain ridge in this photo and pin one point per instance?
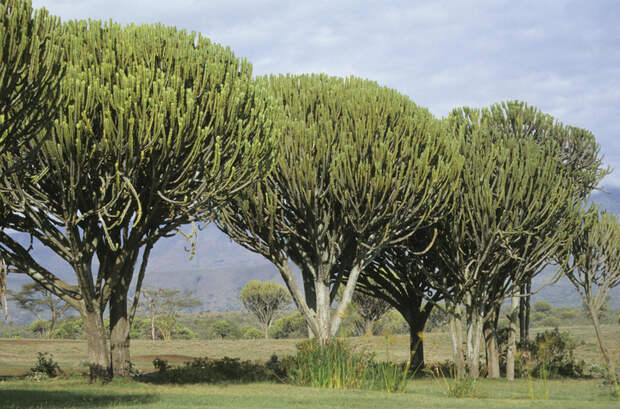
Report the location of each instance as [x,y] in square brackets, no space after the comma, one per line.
[220,268]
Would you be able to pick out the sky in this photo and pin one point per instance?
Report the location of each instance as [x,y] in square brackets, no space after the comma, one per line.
[560,56]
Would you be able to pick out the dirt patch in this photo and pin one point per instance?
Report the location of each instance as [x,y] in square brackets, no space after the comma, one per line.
[171,358]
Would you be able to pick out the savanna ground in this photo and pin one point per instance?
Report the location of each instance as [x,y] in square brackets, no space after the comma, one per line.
[18,355]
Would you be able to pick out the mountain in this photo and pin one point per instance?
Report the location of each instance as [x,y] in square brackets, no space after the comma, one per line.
[220,268]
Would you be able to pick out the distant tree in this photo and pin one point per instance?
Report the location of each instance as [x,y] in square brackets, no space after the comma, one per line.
[222,329]
[38,300]
[542,306]
[264,300]
[163,306]
[594,265]
[370,308]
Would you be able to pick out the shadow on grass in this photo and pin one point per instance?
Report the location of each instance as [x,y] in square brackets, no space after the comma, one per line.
[27,398]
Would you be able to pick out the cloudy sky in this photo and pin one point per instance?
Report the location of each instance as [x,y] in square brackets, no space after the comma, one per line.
[561,56]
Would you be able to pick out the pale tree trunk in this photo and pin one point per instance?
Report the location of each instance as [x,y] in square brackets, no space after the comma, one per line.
[599,336]
[98,354]
[512,338]
[323,310]
[456,335]
[492,352]
[119,334]
[153,326]
[474,336]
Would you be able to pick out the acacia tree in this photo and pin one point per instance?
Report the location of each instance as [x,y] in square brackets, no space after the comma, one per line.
[264,300]
[162,127]
[510,216]
[361,168]
[166,304]
[594,266]
[36,299]
[30,73]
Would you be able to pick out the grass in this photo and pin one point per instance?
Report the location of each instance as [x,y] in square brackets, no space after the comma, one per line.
[18,355]
[76,393]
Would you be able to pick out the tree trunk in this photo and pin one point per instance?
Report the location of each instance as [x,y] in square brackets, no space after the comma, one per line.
[474,336]
[456,335]
[416,345]
[98,354]
[512,337]
[492,352]
[153,326]
[524,311]
[119,334]
[323,310]
[599,337]
[369,326]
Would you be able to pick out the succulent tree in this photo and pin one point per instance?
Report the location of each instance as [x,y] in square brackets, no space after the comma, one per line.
[162,127]
[264,299]
[30,73]
[361,168]
[510,216]
[594,265]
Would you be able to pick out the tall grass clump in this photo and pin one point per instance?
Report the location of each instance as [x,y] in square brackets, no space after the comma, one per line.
[334,365]
[338,365]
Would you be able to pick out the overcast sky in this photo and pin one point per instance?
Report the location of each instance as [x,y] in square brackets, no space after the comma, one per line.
[561,56]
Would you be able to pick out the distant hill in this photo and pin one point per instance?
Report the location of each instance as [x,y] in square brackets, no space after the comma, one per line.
[221,268]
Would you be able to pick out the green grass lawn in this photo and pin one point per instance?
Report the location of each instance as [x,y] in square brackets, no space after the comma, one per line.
[422,393]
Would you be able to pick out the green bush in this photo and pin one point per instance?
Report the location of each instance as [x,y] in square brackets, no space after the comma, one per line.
[542,306]
[205,370]
[72,328]
[253,333]
[222,329]
[553,355]
[45,365]
[291,326]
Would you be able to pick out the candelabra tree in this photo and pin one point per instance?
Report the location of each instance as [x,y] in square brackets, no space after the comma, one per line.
[361,168]
[162,126]
[594,266]
[513,212]
[30,72]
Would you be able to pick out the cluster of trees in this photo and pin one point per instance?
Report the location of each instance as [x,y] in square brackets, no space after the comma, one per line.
[133,132]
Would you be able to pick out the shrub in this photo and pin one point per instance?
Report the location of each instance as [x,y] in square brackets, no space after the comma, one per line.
[542,306]
[553,355]
[253,333]
[205,370]
[222,329]
[46,366]
[291,326]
